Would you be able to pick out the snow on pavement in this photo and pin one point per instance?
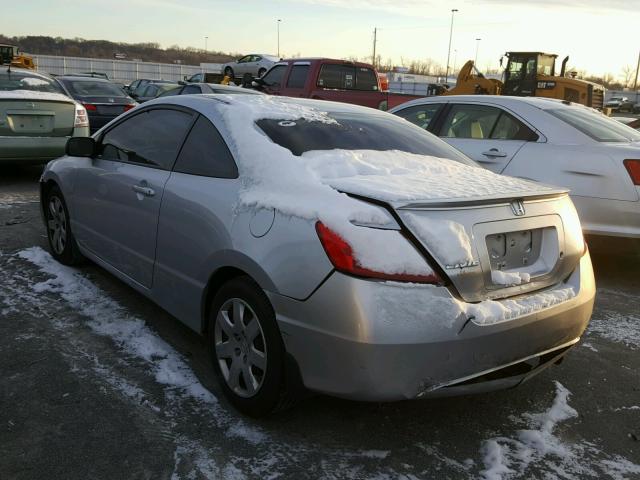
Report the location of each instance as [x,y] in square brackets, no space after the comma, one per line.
[615,325]
[540,447]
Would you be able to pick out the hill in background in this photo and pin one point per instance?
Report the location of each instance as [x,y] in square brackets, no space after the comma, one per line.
[146,52]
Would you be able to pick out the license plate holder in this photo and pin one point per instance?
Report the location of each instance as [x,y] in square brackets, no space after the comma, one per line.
[514,250]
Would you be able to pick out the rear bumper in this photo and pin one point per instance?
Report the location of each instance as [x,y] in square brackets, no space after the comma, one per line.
[35,150]
[378,341]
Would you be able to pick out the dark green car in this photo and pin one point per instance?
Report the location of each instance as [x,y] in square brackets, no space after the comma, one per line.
[36,118]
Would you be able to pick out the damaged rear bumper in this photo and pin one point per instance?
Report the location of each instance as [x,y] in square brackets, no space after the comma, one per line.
[378,341]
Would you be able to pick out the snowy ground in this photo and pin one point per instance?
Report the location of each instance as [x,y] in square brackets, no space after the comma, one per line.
[97,382]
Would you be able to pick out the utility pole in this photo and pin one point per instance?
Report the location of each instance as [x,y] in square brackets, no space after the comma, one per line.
[279,20]
[446,75]
[635,83]
[373,59]
[475,62]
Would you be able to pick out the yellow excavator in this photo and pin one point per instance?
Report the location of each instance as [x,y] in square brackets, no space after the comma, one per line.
[530,74]
[9,55]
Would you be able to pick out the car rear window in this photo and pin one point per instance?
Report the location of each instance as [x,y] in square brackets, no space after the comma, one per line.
[23,81]
[357,132]
[595,125]
[91,88]
[347,77]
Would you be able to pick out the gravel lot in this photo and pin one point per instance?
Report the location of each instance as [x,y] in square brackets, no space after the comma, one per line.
[96,382]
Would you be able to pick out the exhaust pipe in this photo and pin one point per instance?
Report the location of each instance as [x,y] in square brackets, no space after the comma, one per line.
[564,65]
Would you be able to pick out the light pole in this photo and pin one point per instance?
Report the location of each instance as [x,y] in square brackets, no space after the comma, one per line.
[205,44]
[455,60]
[278,23]
[446,76]
[475,62]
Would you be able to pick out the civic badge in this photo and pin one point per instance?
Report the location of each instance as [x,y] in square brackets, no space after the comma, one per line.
[517,207]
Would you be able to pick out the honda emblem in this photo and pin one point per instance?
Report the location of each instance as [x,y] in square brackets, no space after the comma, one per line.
[517,207]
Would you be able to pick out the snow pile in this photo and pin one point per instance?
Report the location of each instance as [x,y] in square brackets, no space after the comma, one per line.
[306,186]
[33,95]
[446,240]
[509,278]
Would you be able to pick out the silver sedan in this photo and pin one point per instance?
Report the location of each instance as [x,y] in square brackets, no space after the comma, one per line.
[325,246]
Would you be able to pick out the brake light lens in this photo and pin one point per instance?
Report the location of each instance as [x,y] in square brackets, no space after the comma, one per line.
[633,167]
[129,107]
[90,107]
[81,118]
[341,256]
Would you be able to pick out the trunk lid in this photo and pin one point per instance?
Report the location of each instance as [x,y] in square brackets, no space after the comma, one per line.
[107,105]
[39,115]
[500,246]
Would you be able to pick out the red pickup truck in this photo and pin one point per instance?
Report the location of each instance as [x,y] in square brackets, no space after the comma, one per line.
[328,79]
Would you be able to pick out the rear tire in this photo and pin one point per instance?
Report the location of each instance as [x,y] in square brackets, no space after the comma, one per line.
[261,72]
[62,244]
[246,349]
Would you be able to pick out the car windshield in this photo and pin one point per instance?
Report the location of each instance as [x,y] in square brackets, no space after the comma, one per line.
[358,132]
[93,88]
[596,125]
[23,81]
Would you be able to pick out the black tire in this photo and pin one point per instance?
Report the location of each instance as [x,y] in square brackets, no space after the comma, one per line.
[64,250]
[261,72]
[272,394]
[229,72]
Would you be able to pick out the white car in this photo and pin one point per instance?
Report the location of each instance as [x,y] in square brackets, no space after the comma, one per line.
[255,64]
[551,141]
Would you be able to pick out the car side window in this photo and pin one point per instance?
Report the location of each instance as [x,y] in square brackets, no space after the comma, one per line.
[205,153]
[337,76]
[152,138]
[256,58]
[510,128]
[245,59]
[470,121]
[273,78]
[150,91]
[298,76]
[420,115]
[190,89]
[366,79]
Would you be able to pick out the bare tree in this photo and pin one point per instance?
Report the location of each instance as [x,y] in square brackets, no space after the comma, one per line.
[628,74]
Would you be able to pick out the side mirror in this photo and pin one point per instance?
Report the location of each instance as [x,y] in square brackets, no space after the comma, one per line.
[185,78]
[81,147]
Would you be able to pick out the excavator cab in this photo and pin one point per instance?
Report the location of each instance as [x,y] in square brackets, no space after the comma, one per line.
[523,71]
[6,54]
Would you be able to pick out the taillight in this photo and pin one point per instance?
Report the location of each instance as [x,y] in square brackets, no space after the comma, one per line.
[342,257]
[81,119]
[129,107]
[633,167]
[90,107]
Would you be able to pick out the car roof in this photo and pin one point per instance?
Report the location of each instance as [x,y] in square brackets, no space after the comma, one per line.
[83,78]
[504,100]
[327,60]
[230,88]
[27,73]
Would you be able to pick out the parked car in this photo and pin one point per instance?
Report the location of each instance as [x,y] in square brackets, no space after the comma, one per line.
[201,88]
[550,141]
[619,104]
[325,245]
[204,77]
[136,87]
[329,79]
[153,90]
[255,64]
[632,122]
[103,100]
[36,118]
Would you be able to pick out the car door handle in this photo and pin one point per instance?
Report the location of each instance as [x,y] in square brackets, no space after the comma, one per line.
[494,152]
[146,191]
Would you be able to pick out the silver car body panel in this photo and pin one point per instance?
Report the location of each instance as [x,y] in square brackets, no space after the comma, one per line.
[351,337]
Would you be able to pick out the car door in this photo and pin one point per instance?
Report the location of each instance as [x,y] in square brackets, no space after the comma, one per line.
[487,134]
[272,81]
[240,68]
[117,198]
[297,80]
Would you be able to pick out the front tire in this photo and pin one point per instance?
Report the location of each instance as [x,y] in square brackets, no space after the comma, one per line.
[229,72]
[62,244]
[246,348]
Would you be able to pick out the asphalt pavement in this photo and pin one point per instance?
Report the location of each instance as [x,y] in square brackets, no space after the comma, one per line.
[96,382]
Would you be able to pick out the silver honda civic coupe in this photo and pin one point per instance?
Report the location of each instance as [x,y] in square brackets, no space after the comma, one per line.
[325,247]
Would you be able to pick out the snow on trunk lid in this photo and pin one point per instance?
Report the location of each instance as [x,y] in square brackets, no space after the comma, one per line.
[489,251]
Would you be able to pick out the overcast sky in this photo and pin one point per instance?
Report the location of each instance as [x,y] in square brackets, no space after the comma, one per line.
[599,36]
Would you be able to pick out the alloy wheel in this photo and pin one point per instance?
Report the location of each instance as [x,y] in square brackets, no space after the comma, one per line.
[57,224]
[240,347]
